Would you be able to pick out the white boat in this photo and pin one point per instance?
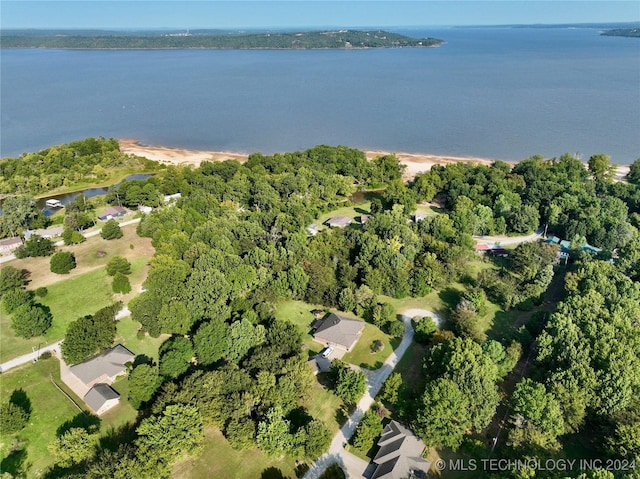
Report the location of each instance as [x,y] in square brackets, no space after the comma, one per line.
[54,204]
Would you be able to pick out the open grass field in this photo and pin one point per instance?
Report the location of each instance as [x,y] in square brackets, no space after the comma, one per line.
[49,410]
[78,293]
[220,461]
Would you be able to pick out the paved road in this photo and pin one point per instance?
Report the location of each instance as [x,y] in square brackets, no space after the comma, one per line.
[352,465]
[27,358]
[11,257]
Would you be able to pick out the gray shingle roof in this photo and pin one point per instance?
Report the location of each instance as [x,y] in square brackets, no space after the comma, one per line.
[339,330]
[98,395]
[339,221]
[400,452]
[110,363]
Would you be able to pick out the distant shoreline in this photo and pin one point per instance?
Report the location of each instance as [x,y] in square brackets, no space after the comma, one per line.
[415,163]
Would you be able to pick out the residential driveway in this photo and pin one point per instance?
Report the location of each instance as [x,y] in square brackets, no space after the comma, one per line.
[30,357]
[502,240]
[337,454]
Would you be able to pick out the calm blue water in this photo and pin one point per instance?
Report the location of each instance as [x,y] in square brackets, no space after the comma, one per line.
[498,93]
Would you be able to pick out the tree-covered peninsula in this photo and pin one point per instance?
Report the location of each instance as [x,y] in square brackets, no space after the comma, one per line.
[335,39]
[623,32]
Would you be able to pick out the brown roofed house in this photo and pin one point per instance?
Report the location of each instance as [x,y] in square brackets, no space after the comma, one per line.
[400,454]
[339,331]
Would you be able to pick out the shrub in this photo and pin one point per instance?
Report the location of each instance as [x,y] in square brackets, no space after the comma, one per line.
[395,328]
[121,284]
[118,264]
[71,236]
[424,329]
[13,418]
[376,346]
[62,262]
[41,292]
[111,230]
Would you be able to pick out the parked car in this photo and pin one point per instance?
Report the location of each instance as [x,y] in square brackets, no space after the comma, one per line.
[327,352]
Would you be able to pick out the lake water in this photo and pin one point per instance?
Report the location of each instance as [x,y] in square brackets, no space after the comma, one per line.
[497,93]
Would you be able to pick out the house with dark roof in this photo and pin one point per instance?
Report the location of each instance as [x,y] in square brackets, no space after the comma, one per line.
[112,212]
[101,398]
[91,379]
[400,454]
[339,331]
[338,222]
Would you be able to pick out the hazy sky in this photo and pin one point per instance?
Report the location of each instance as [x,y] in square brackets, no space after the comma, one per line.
[305,13]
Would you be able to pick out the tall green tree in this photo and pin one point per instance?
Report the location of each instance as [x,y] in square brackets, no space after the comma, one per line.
[31,319]
[11,278]
[90,335]
[111,230]
[443,415]
[75,446]
[62,262]
[143,381]
[177,431]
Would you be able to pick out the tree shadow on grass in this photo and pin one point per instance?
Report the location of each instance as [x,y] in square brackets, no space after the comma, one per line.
[114,438]
[20,399]
[83,420]
[272,473]
[15,463]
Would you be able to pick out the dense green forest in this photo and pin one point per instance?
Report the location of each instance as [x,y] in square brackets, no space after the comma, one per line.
[92,160]
[234,247]
[275,40]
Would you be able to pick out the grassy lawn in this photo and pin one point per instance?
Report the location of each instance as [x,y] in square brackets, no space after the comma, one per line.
[68,301]
[84,291]
[127,335]
[220,461]
[361,354]
[324,405]
[353,211]
[49,410]
[431,302]
[299,313]
[410,366]
[87,257]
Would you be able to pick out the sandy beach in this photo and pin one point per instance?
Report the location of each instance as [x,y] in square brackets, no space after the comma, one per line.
[415,162]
